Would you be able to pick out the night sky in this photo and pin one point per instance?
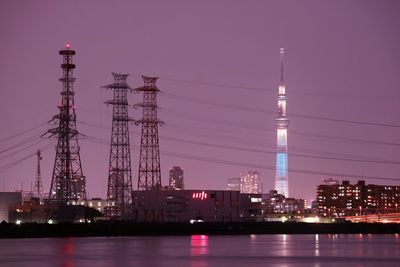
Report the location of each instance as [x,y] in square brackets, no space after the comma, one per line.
[218,63]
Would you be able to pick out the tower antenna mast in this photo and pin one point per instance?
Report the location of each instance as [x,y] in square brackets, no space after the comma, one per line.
[282,123]
[38,190]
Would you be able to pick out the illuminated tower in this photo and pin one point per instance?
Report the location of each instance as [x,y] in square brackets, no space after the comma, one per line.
[119,193]
[149,158]
[68,184]
[282,122]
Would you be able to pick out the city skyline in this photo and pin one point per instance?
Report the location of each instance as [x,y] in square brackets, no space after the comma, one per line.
[218,69]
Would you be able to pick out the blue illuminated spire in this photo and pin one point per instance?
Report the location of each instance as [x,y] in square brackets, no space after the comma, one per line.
[282,122]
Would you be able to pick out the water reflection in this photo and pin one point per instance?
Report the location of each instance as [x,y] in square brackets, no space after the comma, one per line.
[66,252]
[205,251]
[316,245]
[199,247]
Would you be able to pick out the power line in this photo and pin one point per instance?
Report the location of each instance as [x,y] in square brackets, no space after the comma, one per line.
[22,149]
[214,145]
[326,138]
[247,141]
[252,109]
[309,136]
[9,165]
[21,143]
[21,133]
[248,165]
[265,89]
[274,152]
[265,167]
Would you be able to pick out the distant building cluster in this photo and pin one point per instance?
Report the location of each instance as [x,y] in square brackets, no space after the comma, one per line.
[278,204]
[176,178]
[233,184]
[336,199]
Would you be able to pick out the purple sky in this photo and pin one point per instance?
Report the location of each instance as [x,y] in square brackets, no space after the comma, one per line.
[342,62]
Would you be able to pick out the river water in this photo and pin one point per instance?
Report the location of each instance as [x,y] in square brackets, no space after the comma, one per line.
[204,251]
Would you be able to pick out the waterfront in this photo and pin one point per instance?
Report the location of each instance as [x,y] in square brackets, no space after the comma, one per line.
[204,251]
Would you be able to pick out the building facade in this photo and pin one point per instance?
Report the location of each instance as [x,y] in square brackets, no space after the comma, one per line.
[251,183]
[8,200]
[176,178]
[233,184]
[196,206]
[275,203]
[345,199]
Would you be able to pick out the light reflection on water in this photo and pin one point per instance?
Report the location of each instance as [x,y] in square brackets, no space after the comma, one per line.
[198,247]
[316,249]
[204,251]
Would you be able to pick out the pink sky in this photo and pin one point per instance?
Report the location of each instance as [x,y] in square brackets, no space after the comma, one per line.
[342,62]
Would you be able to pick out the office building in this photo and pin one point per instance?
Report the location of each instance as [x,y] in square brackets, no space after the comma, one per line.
[176,178]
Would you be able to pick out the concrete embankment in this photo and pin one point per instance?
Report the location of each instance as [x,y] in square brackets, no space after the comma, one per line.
[121,228]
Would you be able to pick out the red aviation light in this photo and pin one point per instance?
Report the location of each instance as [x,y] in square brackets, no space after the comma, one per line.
[203,195]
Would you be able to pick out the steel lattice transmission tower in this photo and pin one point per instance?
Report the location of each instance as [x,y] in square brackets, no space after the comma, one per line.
[68,184]
[119,193]
[149,158]
[38,181]
[282,123]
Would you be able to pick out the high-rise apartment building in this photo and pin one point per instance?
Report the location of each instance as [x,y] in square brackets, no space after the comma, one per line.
[251,183]
[345,199]
[176,178]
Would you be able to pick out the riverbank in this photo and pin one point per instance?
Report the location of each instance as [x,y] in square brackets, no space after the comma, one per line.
[120,228]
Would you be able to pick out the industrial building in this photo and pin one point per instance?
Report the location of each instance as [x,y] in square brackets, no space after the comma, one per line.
[196,206]
[8,200]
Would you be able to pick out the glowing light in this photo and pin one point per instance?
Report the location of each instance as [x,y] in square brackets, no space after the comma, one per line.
[18,222]
[255,199]
[203,195]
[50,221]
[67,45]
[282,165]
[282,89]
